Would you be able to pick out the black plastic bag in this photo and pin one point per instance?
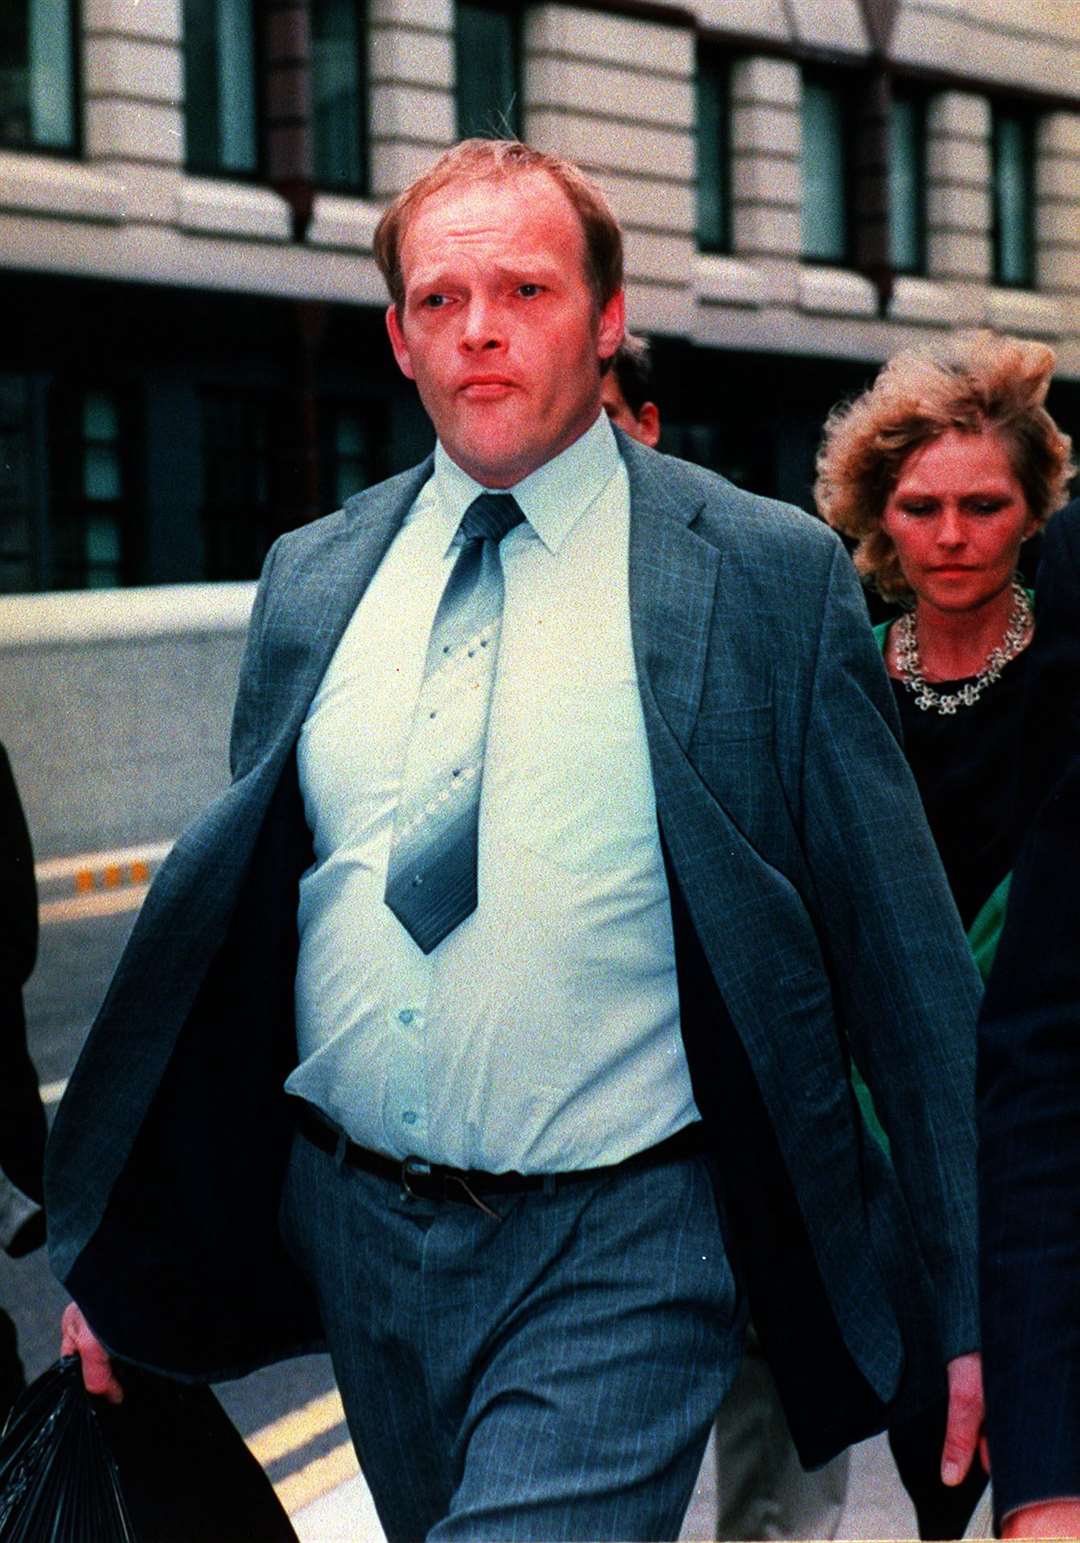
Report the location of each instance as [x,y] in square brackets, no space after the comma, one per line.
[58,1478]
[165,1466]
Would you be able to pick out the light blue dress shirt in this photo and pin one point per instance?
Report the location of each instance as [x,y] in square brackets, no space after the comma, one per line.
[543,1033]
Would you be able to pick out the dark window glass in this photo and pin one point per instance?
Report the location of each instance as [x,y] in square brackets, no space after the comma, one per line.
[488,71]
[907,182]
[93,509]
[1014,197]
[339,93]
[16,486]
[220,86]
[713,152]
[37,75]
[825,221]
[240,469]
[348,433]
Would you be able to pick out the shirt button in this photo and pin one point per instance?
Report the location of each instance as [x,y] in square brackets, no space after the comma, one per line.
[406,1015]
[410,1117]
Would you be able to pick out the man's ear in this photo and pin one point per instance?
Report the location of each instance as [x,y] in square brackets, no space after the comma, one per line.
[612,327]
[649,424]
[398,343]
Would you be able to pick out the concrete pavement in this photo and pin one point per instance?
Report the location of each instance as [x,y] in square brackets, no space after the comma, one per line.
[877,1506]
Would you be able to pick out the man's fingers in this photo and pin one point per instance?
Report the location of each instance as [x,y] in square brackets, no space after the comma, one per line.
[77,1338]
[964,1428]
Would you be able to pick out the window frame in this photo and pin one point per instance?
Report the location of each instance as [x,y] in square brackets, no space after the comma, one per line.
[918,99]
[512,14]
[833,81]
[361,188]
[219,172]
[1025,118]
[75,150]
[716,65]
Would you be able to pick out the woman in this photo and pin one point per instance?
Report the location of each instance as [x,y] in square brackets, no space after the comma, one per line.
[940,471]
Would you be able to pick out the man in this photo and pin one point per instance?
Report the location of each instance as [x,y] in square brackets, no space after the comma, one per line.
[520,1036]
[1029,1096]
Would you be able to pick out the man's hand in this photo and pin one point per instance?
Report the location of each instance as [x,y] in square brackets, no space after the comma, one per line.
[1048,1519]
[78,1338]
[964,1430]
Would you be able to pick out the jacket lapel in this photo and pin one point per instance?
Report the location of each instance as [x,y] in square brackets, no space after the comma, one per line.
[673,575]
[320,598]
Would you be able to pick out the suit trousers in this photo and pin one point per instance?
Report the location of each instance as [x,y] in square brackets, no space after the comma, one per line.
[551,1373]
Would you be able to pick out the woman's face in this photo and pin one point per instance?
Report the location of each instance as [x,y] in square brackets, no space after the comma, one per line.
[957,516]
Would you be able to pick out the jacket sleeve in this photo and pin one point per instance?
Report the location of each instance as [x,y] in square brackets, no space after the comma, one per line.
[1029,1083]
[250,685]
[903,976]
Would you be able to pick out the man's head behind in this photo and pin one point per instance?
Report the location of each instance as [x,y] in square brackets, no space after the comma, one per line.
[626,391]
[476,159]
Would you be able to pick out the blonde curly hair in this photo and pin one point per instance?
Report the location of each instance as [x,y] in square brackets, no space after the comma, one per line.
[980,382]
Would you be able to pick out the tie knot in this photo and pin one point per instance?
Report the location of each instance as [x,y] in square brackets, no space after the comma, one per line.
[490,516]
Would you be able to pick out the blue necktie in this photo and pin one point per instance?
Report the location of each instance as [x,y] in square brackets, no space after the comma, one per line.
[431,877]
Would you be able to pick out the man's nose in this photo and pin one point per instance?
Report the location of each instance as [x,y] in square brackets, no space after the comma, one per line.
[482,328]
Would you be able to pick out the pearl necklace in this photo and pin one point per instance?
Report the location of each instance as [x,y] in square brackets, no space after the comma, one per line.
[909,665]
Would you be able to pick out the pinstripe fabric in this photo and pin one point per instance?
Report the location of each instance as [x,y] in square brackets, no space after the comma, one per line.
[548,1375]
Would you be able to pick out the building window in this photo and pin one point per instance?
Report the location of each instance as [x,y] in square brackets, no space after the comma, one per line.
[220,91]
[339,93]
[1014,197]
[37,75]
[488,61]
[825,138]
[240,476]
[714,152]
[907,182]
[16,491]
[346,453]
[92,508]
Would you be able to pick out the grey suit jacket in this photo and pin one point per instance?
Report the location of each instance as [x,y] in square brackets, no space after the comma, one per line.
[799,858]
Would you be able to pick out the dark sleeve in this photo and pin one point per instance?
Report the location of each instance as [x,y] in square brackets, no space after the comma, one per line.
[1029,1087]
[18,892]
[1052,714]
[22,1119]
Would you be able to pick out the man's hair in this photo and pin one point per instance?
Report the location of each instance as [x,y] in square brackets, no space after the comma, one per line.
[978,382]
[475,160]
[632,368]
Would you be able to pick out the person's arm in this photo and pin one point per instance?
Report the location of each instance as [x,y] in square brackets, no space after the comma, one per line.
[902,970]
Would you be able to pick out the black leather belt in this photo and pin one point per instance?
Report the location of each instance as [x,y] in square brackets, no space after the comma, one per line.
[433,1181]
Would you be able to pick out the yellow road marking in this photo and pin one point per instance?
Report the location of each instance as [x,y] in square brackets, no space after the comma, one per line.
[104,902]
[317,1478]
[297,1428]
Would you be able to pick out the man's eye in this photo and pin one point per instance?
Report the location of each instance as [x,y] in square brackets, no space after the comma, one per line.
[433,302]
[987,506]
[528,291]
[918,509]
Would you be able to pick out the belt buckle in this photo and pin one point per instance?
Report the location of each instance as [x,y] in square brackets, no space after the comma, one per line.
[413,1167]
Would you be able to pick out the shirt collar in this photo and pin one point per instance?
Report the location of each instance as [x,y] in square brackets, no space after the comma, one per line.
[554,497]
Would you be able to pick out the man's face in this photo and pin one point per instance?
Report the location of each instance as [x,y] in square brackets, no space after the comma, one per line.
[499,328]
